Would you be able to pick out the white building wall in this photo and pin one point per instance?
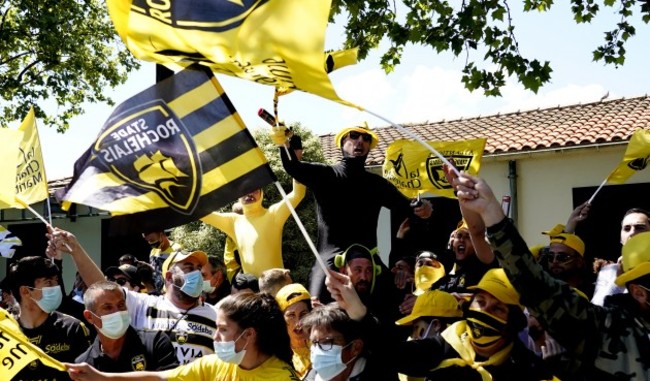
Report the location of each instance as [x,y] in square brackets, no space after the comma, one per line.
[544,186]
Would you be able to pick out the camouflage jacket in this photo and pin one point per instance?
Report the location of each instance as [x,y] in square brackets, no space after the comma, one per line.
[604,343]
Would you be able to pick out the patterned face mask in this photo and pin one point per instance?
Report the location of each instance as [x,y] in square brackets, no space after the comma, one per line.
[485,330]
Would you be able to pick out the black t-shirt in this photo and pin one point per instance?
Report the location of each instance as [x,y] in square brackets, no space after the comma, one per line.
[468,273]
[142,350]
[60,336]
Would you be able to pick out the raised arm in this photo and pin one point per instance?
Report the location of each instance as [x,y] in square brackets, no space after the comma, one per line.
[222,221]
[85,372]
[61,242]
[567,316]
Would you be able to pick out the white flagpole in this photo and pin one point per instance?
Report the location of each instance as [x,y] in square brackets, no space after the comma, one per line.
[417,138]
[49,225]
[320,261]
[596,192]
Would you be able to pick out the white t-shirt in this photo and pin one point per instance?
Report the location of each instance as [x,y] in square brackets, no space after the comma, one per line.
[191,332]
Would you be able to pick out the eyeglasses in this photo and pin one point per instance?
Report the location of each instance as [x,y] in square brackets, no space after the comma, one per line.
[354,135]
[559,257]
[327,344]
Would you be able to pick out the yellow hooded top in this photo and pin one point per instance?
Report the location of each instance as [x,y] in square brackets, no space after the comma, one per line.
[258,232]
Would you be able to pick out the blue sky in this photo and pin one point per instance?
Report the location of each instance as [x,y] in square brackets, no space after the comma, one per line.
[425,87]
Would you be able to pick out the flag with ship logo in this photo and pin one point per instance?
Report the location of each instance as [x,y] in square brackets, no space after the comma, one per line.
[636,158]
[271,42]
[413,169]
[169,155]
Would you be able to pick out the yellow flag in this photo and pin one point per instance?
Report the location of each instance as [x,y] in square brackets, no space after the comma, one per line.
[413,169]
[635,159]
[272,42]
[16,351]
[8,155]
[31,182]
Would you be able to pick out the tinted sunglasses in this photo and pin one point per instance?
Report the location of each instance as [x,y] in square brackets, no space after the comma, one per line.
[120,281]
[559,257]
[354,135]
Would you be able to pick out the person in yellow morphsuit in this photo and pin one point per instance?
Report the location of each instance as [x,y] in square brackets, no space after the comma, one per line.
[258,232]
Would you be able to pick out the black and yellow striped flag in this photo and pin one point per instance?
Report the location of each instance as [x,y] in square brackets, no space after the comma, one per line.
[169,155]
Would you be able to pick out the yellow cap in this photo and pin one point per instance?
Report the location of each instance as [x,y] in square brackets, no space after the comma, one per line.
[181,255]
[363,129]
[291,294]
[636,258]
[497,284]
[570,240]
[434,303]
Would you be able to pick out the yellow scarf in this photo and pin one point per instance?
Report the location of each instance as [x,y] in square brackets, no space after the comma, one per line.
[456,335]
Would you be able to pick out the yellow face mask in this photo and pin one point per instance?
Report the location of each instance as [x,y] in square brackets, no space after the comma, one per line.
[425,276]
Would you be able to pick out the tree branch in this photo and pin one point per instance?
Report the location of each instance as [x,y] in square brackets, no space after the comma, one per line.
[16,57]
[27,68]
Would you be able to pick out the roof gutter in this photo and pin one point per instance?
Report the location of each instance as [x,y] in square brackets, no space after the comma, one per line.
[521,154]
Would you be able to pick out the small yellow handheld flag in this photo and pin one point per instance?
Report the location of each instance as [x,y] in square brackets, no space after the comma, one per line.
[31,182]
[16,351]
[636,158]
[8,161]
[413,169]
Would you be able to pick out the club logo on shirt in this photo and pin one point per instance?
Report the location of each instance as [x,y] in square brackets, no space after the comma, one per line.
[181,337]
[139,363]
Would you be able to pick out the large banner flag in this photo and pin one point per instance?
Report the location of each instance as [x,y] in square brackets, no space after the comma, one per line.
[8,243]
[413,169]
[169,155]
[636,158]
[11,140]
[31,182]
[16,351]
[271,42]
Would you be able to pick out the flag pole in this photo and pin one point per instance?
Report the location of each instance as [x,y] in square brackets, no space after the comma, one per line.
[417,138]
[302,229]
[597,190]
[49,225]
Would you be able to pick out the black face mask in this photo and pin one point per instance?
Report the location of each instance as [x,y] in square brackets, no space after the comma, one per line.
[155,245]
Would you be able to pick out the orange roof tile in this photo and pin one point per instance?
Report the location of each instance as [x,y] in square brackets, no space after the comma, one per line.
[524,131]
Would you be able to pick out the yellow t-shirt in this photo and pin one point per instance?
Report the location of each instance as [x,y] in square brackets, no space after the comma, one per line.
[210,368]
[302,361]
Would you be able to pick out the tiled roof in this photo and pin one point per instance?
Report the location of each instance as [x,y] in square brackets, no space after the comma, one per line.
[524,131]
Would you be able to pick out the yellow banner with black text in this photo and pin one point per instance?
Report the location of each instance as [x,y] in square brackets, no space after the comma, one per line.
[414,169]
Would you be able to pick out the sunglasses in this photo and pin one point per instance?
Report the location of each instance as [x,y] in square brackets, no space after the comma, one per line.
[559,257]
[354,135]
[120,281]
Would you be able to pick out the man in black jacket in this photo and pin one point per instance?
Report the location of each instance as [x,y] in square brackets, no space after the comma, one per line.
[118,347]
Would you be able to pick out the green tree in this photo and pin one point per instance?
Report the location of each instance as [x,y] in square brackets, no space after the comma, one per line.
[473,27]
[297,255]
[61,50]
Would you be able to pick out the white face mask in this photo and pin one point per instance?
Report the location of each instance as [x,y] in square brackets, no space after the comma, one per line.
[51,298]
[328,364]
[114,325]
[207,288]
[225,351]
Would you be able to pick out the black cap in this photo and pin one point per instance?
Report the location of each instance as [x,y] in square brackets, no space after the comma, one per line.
[129,271]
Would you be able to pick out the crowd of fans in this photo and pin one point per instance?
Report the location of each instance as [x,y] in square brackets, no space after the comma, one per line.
[487,308]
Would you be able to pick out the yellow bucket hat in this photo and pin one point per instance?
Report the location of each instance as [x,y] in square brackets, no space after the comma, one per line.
[636,259]
[363,129]
[496,283]
[291,294]
[434,303]
[571,240]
